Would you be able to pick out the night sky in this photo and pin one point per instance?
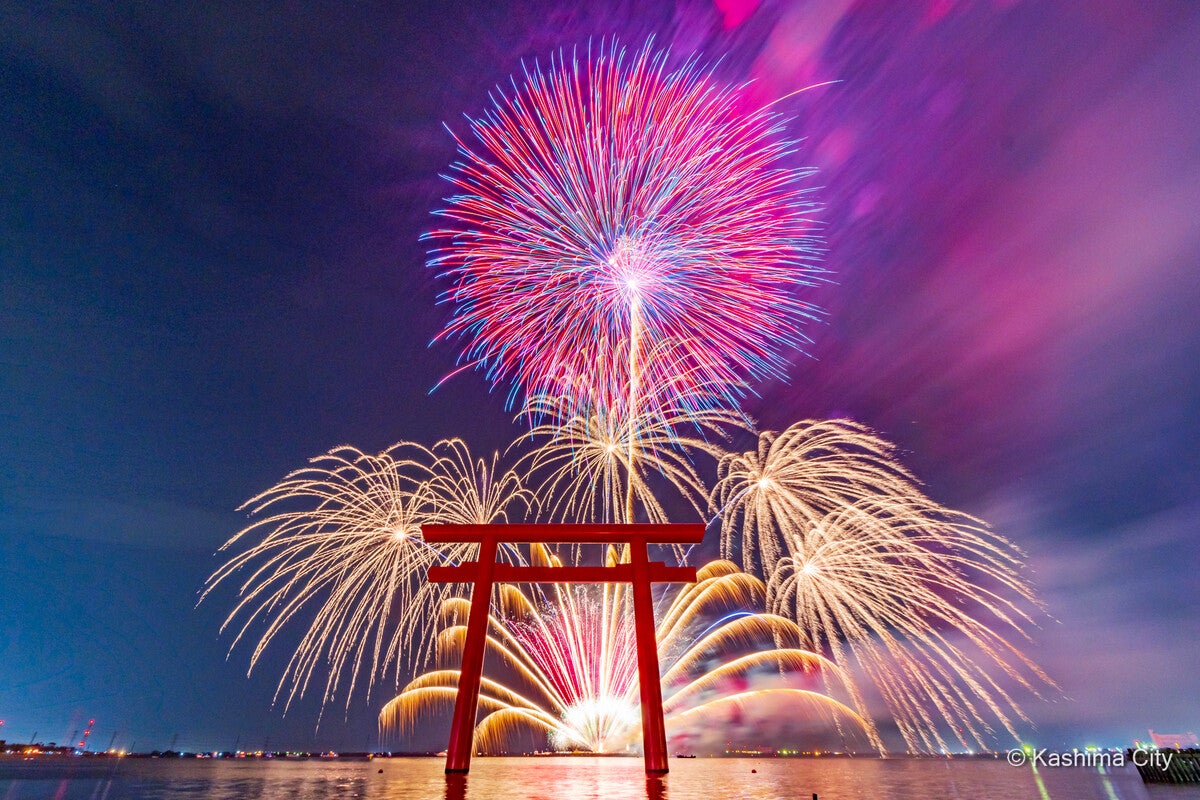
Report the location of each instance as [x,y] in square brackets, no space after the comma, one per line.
[210,271]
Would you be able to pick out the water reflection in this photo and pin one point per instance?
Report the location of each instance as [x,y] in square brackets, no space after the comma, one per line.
[623,779]
[456,787]
[1041,785]
[582,778]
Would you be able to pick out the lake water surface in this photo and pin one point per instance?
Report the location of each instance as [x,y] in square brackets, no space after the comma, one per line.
[566,779]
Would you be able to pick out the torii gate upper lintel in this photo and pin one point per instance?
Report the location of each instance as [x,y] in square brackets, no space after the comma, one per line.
[485,573]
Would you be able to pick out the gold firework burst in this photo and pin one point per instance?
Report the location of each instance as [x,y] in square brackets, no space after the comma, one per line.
[883,579]
[341,540]
[595,466]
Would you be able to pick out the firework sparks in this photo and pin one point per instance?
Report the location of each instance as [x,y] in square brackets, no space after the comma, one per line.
[882,578]
[466,491]
[622,231]
[342,535]
[594,465]
[794,478]
[624,248]
[573,654]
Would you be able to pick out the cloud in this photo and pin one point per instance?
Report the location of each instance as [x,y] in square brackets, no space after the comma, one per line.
[1122,643]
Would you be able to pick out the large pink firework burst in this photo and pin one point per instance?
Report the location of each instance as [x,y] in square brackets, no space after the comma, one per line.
[627,234]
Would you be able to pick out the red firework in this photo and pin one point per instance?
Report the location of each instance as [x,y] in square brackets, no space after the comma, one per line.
[628,235]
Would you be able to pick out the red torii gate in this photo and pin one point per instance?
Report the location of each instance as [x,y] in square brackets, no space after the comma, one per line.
[485,573]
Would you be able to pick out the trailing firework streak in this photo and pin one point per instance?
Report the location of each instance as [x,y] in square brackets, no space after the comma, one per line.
[624,233]
[576,674]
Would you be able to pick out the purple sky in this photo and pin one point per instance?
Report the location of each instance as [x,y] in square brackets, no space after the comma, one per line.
[209,271]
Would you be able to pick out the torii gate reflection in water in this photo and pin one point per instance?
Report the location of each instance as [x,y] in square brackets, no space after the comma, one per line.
[486,573]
